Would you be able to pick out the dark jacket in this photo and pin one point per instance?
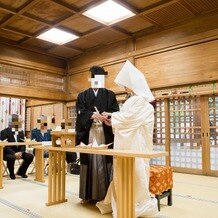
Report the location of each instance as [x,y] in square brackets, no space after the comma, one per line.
[37,135]
[8,134]
[86,101]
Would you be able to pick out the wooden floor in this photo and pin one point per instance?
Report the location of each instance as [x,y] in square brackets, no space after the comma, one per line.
[193,197]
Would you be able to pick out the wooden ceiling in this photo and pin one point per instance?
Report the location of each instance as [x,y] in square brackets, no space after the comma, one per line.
[21,21]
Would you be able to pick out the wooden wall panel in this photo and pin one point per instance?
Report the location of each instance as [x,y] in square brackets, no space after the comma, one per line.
[193,64]
[17,92]
[111,53]
[113,70]
[197,29]
[79,82]
[31,60]
[31,75]
[34,103]
[181,55]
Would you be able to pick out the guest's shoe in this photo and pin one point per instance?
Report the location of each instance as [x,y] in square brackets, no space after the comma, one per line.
[12,176]
[22,175]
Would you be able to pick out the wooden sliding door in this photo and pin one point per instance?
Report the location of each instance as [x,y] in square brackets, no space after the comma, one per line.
[187,127]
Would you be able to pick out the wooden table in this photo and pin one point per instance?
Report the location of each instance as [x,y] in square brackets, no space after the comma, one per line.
[4,144]
[125,175]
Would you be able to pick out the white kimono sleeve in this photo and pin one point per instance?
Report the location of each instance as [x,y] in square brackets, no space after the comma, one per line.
[134,113]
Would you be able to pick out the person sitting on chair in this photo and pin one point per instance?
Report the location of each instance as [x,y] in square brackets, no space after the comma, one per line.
[14,133]
[43,134]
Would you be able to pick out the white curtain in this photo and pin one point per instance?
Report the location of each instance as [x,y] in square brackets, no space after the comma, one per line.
[10,106]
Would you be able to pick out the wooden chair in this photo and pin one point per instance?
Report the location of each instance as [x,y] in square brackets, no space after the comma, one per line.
[46,160]
[5,168]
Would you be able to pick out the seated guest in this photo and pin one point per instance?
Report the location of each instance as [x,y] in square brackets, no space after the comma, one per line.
[14,133]
[42,134]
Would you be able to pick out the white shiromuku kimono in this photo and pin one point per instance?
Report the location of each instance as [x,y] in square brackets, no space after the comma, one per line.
[133,130]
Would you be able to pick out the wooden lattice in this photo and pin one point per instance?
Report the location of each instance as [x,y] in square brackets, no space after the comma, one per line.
[159,124]
[159,131]
[185,132]
[71,114]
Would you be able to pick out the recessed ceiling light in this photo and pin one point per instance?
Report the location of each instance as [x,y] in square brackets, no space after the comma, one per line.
[109,13]
[57,36]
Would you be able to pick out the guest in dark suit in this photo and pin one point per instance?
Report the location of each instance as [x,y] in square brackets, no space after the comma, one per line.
[11,153]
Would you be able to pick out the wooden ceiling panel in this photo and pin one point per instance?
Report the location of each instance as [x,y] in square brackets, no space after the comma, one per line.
[77,3]
[81,24]
[3,16]
[142,4]
[13,4]
[24,25]
[105,36]
[64,52]
[22,20]
[135,24]
[83,43]
[48,11]
[9,35]
[202,5]
[169,14]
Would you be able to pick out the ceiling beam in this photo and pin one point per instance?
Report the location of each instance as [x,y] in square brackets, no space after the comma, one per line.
[7,9]
[66,6]
[11,43]
[20,32]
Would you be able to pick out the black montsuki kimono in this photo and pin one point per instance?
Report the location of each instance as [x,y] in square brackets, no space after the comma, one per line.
[86,101]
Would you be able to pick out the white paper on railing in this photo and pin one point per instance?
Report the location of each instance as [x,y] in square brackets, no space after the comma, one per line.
[46,143]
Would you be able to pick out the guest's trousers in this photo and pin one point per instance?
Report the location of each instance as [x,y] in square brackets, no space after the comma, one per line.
[10,158]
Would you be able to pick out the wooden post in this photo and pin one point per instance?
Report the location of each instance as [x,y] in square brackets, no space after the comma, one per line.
[39,161]
[205,138]
[56,177]
[125,169]
[167,130]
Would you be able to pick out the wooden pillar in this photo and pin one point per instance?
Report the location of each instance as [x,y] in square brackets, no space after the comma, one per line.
[167,129]
[56,177]
[205,135]
[125,190]
[39,164]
